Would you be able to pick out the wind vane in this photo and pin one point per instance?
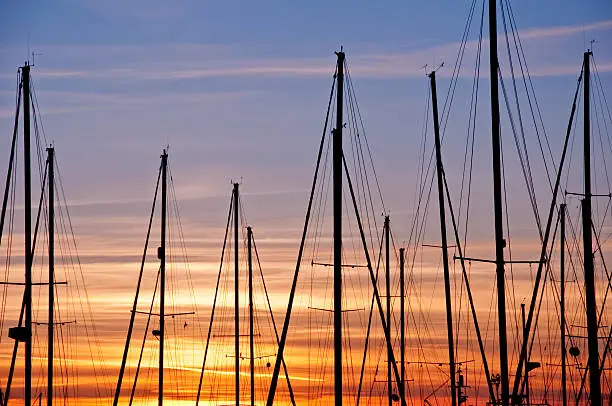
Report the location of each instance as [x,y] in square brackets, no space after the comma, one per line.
[433,70]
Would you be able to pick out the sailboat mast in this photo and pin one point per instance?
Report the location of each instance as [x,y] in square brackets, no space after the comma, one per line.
[236,298]
[162,277]
[441,205]
[587,238]
[25,75]
[562,305]
[337,184]
[402,326]
[500,243]
[2,219]
[50,160]
[251,333]
[388,291]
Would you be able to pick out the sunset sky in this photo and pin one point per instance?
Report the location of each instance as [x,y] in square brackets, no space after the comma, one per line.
[238,92]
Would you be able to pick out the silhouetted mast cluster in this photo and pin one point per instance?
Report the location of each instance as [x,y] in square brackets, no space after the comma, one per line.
[500,391]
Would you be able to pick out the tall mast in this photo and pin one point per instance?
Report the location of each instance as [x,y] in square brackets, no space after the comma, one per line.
[500,243]
[25,75]
[236,297]
[562,306]
[388,291]
[587,238]
[2,219]
[50,160]
[337,184]
[402,327]
[251,343]
[162,277]
[441,205]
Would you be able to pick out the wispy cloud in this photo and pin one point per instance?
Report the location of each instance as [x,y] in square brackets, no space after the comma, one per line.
[192,61]
[565,30]
[68,102]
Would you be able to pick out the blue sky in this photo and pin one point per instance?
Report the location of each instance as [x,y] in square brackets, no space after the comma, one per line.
[272,24]
[239,89]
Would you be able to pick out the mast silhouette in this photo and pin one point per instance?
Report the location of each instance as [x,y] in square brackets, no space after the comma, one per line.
[587,238]
[50,163]
[442,207]
[25,75]
[236,298]
[402,326]
[251,340]
[562,210]
[500,242]
[388,291]
[337,185]
[162,278]
[9,174]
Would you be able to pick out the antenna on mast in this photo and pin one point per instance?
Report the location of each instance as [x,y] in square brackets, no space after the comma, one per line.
[428,73]
[34,54]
